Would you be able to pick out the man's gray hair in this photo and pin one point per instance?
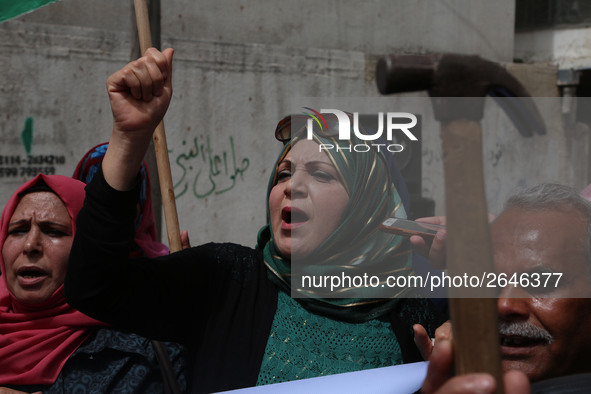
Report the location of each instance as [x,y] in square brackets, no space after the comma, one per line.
[553,196]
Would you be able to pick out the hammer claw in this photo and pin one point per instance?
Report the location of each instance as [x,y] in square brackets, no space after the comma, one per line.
[522,111]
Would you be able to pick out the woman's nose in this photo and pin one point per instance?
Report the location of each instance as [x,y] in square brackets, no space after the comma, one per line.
[296,186]
[33,241]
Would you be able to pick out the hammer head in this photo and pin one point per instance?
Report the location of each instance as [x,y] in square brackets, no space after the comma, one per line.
[454,75]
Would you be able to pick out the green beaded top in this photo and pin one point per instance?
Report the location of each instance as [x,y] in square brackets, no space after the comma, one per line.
[304,345]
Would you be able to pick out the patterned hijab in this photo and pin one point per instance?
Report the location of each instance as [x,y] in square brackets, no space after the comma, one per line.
[37,340]
[357,246]
[145,239]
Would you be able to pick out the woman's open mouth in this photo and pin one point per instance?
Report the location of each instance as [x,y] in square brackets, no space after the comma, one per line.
[30,276]
[292,217]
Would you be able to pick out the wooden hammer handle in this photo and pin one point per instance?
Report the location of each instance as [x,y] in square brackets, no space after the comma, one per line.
[469,251]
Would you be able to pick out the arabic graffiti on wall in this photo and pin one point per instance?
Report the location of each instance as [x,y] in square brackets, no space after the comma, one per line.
[205,172]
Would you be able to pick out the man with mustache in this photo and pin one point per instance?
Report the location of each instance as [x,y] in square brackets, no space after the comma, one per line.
[544,232]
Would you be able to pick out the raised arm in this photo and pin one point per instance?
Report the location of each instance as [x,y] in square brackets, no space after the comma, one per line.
[139,94]
[101,280]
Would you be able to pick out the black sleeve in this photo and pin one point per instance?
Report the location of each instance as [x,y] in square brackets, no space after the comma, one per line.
[165,298]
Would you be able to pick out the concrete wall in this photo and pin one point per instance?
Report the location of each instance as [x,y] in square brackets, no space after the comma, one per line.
[239,67]
[565,48]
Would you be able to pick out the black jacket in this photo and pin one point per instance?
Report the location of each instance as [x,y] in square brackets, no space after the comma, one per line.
[216,298]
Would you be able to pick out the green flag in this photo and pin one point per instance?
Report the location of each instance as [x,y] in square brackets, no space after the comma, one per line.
[13,8]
